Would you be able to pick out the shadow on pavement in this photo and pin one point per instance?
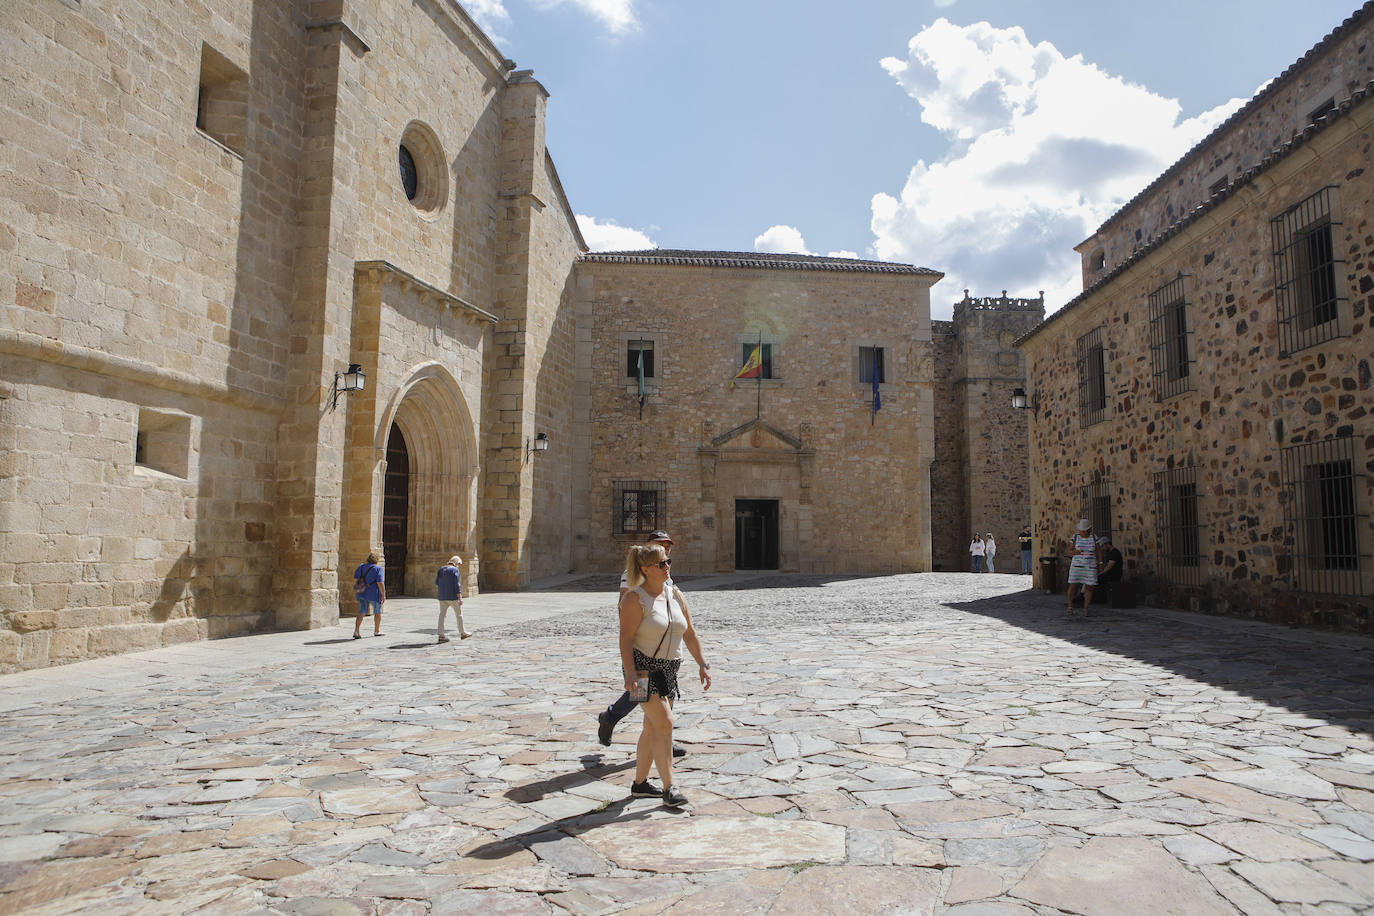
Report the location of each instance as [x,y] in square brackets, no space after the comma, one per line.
[1310,676]
[328,642]
[740,579]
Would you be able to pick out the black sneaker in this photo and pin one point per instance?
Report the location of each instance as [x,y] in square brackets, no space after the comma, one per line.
[604,726]
[673,797]
[679,751]
[645,789]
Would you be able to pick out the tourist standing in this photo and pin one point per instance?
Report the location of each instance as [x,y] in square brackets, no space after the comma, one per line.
[1025,539]
[976,550]
[449,581]
[369,584]
[1083,564]
[654,624]
[989,550]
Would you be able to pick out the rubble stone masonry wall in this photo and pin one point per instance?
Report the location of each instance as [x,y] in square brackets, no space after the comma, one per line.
[1248,399]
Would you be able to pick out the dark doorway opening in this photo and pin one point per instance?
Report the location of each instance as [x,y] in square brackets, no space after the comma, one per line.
[396,511]
[756,534]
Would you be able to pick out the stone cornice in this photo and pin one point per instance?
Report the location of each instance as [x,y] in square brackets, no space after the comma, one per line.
[405,278]
[47,350]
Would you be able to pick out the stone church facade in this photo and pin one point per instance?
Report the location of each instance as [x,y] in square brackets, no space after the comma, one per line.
[1208,397]
[210,214]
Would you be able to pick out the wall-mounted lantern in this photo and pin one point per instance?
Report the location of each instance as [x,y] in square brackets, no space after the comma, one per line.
[1021,402]
[540,444]
[352,380]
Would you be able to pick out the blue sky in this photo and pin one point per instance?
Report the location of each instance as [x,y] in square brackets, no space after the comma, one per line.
[983,138]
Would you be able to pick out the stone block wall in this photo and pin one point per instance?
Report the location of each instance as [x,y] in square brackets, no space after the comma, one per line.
[1249,400]
[1336,67]
[980,480]
[950,528]
[145,263]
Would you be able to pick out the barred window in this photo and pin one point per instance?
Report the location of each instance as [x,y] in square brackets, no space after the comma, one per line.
[870,362]
[1171,349]
[641,506]
[1321,481]
[1096,502]
[1308,272]
[634,350]
[1178,525]
[1092,378]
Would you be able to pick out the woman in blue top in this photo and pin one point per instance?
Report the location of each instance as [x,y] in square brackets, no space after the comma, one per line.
[369,583]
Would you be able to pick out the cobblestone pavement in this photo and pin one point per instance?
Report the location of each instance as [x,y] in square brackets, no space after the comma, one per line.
[942,743]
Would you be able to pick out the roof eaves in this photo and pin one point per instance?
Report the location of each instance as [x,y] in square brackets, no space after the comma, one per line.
[756,260]
[1360,97]
[1260,97]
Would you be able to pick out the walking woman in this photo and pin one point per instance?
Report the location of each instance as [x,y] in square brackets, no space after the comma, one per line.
[1083,565]
[654,623]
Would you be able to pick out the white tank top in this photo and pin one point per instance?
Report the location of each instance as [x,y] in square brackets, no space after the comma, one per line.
[657,618]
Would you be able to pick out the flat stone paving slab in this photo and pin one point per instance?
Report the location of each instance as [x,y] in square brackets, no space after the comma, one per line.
[904,744]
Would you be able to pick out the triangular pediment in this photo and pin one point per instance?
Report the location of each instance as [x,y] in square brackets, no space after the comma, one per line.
[757,434]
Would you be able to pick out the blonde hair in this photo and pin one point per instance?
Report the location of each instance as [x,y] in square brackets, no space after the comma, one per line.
[639,557]
[455,561]
[372,557]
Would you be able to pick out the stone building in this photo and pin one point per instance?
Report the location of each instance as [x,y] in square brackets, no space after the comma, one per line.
[208,214]
[793,470]
[1208,397]
[212,214]
[980,480]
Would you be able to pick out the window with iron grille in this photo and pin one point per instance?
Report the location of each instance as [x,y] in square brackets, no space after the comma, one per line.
[1308,272]
[871,361]
[1178,525]
[640,506]
[1092,378]
[1171,349]
[634,349]
[1321,482]
[1096,502]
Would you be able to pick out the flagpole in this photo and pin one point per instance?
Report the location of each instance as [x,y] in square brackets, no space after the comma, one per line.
[758,401]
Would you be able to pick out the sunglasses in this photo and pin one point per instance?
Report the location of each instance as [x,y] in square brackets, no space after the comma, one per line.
[664,565]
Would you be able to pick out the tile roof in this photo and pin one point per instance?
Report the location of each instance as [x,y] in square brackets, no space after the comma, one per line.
[763,260]
[1361,96]
[1245,110]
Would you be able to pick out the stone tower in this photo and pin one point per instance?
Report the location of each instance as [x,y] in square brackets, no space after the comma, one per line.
[980,478]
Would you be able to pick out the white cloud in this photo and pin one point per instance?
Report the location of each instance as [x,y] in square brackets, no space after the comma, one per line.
[841,254]
[781,240]
[618,16]
[491,15]
[1042,148]
[609,236]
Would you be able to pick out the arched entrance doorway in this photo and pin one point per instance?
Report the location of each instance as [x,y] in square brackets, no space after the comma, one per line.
[396,510]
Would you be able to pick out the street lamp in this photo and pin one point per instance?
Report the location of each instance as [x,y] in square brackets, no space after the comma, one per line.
[352,380]
[1020,402]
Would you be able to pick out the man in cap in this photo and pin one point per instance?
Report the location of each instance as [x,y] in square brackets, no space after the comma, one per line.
[607,721]
[450,585]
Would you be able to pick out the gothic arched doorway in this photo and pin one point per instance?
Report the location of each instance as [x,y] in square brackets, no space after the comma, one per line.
[396,510]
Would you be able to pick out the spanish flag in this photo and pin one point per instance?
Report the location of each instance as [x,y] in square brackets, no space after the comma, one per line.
[753,366]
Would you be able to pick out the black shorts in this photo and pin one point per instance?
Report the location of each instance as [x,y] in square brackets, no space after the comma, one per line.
[662,674]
